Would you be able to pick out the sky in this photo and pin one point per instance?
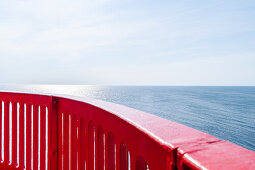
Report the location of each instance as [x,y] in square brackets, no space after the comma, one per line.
[127,42]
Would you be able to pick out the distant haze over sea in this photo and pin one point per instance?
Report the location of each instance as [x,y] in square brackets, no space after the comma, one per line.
[224,112]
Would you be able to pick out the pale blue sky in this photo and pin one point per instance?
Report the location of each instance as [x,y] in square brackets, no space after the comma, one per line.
[127,42]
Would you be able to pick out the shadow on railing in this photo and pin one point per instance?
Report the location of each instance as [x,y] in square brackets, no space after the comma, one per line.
[49,132]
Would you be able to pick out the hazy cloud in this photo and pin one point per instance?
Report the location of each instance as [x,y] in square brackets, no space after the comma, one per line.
[127,42]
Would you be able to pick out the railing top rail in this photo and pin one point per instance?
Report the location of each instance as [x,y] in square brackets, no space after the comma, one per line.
[195,148]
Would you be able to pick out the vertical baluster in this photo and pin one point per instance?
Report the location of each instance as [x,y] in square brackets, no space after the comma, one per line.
[86,124]
[106,151]
[117,155]
[110,152]
[100,148]
[35,136]
[123,157]
[14,133]
[83,143]
[74,141]
[60,140]
[91,149]
[78,144]
[53,134]
[21,136]
[43,138]
[28,136]
[95,149]
[66,141]
[6,132]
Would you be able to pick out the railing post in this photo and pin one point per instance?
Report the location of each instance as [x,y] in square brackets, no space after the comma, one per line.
[53,134]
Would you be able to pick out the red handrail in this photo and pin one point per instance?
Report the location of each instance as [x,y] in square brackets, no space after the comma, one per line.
[52,132]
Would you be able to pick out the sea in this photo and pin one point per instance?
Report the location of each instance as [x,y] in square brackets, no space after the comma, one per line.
[226,112]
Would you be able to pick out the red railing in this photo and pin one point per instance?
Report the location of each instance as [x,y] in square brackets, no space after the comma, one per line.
[49,132]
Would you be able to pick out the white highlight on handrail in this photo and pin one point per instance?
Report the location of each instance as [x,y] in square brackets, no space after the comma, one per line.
[195,162]
[18,129]
[25,135]
[2,133]
[39,136]
[10,132]
[62,147]
[47,137]
[32,135]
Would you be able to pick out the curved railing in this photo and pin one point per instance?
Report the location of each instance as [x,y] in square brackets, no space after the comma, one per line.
[51,132]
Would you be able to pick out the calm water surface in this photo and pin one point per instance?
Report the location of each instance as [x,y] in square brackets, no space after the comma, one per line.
[224,112]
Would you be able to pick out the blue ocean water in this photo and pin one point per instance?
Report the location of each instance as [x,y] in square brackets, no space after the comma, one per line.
[224,112]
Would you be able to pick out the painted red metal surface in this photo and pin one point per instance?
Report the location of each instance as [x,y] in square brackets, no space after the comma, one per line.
[52,132]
